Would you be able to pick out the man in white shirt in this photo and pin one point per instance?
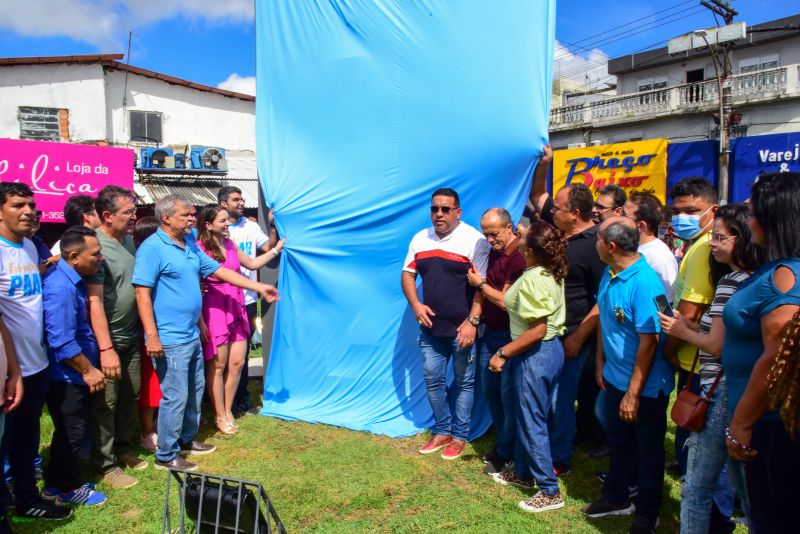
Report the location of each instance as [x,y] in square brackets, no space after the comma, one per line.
[21,307]
[251,240]
[646,210]
[78,211]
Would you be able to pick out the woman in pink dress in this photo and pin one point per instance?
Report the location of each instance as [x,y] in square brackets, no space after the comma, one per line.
[224,314]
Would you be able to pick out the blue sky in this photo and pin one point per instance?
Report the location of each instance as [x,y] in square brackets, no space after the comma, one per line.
[213,41]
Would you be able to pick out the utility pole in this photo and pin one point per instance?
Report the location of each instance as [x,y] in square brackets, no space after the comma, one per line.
[722,67]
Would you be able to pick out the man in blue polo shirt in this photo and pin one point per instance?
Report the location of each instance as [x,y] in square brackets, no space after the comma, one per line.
[636,377]
[166,278]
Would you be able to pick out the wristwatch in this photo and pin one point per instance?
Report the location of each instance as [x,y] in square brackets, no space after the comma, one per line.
[501,353]
[474,320]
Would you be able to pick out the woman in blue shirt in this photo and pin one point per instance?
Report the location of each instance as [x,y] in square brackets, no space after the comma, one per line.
[755,319]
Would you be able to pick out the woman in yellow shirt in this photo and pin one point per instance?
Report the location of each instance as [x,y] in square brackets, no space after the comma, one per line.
[535,356]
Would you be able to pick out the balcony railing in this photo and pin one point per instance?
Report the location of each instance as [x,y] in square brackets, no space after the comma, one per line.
[781,82]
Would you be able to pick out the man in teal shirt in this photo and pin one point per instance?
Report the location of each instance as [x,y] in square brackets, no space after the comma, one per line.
[636,377]
[166,279]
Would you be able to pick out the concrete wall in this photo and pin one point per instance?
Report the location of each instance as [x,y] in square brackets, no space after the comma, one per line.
[788,51]
[188,115]
[778,117]
[78,88]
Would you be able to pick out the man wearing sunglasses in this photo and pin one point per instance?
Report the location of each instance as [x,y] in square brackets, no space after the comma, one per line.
[448,315]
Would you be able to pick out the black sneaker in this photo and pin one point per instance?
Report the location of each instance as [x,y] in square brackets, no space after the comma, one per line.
[643,525]
[600,452]
[603,508]
[633,491]
[40,509]
[494,463]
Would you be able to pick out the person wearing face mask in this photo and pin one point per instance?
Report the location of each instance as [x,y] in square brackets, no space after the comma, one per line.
[694,201]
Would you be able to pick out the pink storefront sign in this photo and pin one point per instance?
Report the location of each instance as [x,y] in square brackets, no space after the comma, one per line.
[57,171]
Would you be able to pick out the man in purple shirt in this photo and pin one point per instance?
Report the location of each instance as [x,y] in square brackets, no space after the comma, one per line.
[505,266]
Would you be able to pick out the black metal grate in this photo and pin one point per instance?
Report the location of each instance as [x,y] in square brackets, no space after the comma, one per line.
[216,504]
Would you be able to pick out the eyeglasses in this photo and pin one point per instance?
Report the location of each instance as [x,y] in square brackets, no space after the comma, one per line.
[600,207]
[443,209]
[719,238]
[127,213]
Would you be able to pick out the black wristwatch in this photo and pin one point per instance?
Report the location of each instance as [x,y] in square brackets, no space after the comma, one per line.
[501,353]
[474,320]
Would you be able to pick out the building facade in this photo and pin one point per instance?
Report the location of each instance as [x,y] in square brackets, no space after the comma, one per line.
[676,97]
[99,100]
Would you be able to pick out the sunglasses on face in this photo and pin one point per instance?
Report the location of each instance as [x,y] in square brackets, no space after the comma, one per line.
[444,209]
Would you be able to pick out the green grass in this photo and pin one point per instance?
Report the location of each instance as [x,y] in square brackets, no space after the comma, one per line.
[325,479]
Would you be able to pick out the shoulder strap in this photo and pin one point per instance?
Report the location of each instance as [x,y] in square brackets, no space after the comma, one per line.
[714,385]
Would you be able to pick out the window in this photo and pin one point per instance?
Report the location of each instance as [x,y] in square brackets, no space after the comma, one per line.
[43,124]
[146,126]
[652,83]
[754,64]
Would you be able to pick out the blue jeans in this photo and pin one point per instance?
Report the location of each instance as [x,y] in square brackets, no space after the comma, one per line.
[636,456]
[535,375]
[562,411]
[436,351]
[706,485]
[180,373]
[498,390]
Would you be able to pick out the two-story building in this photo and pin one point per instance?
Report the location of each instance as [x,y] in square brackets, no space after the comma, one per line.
[675,97]
[100,100]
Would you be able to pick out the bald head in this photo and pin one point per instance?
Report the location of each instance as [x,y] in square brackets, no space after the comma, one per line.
[621,231]
[497,228]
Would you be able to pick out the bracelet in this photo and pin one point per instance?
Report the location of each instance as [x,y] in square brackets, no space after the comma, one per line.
[275,252]
[736,441]
[107,348]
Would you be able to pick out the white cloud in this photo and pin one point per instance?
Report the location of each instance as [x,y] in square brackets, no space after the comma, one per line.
[105,23]
[588,67]
[239,84]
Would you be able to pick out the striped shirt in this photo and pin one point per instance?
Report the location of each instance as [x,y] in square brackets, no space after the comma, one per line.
[727,286]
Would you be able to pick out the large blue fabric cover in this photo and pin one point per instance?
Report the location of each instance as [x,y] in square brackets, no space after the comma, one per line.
[364,108]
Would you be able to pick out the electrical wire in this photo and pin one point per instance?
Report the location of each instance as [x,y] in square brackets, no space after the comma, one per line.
[618,36]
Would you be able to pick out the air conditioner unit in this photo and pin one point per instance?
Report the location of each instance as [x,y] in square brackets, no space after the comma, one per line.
[156,158]
[576,145]
[180,160]
[208,158]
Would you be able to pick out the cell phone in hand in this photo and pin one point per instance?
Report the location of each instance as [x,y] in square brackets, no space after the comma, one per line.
[663,305]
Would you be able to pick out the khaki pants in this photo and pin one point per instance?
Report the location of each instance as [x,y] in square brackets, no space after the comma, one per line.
[114,410]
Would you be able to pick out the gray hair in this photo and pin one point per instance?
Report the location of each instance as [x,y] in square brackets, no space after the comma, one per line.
[169,205]
[625,236]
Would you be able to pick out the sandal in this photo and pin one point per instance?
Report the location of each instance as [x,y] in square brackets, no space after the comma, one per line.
[231,420]
[224,426]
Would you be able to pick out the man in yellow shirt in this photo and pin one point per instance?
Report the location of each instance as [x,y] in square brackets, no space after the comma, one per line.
[694,201]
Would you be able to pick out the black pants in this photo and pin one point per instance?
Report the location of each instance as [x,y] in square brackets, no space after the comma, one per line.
[69,408]
[772,479]
[587,426]
[21,440]
[241,400]
[636,454]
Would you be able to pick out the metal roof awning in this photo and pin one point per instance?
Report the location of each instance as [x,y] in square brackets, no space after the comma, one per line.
[200,189]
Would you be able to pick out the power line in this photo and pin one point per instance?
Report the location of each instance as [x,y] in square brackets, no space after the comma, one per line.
[631,22]
[645,28]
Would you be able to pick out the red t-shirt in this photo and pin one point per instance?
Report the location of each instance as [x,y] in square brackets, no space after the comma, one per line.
[502,270]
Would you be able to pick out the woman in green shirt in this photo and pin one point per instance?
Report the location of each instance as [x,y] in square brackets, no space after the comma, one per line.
[535,357]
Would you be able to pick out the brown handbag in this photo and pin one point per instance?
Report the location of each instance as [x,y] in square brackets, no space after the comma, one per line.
[689,410]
